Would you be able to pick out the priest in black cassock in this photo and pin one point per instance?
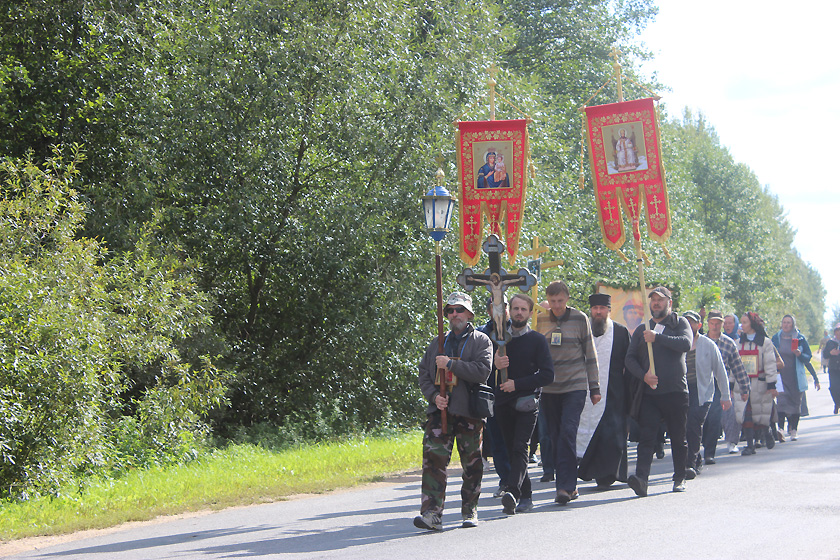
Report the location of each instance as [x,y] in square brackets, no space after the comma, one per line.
[602,434]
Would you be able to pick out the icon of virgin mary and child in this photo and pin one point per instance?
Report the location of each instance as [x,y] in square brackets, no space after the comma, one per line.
[493,174]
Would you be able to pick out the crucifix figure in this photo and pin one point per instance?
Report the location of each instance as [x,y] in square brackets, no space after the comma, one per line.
[496,279]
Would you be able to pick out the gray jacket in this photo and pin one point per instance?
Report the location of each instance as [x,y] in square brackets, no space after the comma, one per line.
[475,353]
[708,361]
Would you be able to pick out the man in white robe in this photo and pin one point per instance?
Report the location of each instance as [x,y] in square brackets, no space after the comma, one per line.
[602,434]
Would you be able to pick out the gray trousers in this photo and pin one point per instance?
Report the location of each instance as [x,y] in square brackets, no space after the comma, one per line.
[731,426]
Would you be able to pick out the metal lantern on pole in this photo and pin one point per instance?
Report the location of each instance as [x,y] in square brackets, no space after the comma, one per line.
[438,206]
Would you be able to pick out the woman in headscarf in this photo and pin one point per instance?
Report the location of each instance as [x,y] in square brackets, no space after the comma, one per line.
[795,352]
[759,358]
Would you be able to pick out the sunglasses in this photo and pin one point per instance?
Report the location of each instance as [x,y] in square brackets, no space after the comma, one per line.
[450,310]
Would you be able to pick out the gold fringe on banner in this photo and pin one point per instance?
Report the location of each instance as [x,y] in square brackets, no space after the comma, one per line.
[665,250]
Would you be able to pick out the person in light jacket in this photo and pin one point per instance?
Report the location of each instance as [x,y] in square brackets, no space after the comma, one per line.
[704,365]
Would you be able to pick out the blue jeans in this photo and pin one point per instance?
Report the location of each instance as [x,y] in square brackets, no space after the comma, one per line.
[546,454]
[712,427]
[694,425]
[562,414]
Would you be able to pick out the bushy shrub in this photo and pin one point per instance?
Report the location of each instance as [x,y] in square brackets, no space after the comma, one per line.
[91,374]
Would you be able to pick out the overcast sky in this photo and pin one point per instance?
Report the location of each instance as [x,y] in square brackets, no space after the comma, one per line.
[767,77]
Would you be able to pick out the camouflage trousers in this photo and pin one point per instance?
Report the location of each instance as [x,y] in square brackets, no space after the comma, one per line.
[437,452]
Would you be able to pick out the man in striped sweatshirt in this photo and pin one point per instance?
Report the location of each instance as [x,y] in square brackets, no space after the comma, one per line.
[569,336]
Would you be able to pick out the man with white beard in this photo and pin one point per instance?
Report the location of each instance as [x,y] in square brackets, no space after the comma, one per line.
[602,434]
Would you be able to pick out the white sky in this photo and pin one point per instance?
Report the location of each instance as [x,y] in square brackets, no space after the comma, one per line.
[767,77]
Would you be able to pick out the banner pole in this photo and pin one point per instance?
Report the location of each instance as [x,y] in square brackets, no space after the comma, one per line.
[491,86]
[637,242]
[637,234]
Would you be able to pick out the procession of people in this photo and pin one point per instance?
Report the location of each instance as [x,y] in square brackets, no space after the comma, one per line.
[727,377]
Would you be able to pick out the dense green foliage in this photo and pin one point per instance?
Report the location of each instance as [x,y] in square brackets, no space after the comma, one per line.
[251,193]
[92,377]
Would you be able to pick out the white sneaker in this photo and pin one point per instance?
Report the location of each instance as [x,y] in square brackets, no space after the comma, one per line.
[470,520]
[732,448]
[793,436]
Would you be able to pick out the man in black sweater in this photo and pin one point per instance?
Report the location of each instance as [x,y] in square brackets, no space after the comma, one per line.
[529,366]
[665,391]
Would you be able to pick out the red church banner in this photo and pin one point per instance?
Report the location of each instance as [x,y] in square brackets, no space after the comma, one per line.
[491,168]
[627,168]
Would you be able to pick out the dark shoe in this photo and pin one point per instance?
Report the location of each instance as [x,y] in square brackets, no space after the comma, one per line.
[780,437]
[508,503]
[563,497]
[638,485]
[769,439]
[428,521]
[532,459]
[748,450]
[660,453]
[836,409]
[605,482]
[690,474]
[679,486]
[574,495]
[710,461]
[698,466]
[500,492]
[547,477]
[525,505]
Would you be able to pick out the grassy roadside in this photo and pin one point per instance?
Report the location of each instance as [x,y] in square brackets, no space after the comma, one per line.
[237,475]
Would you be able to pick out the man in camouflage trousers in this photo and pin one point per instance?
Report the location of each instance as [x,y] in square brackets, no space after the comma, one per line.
[467,354]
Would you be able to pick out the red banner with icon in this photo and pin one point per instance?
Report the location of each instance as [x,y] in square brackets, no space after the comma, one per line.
[492,166]
[625,155]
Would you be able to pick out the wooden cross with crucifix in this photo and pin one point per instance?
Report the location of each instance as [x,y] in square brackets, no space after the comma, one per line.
[496,280]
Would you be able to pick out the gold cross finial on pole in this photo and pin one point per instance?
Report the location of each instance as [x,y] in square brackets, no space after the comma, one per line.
[614,54]
[491,86]
[536,251]
[439,175]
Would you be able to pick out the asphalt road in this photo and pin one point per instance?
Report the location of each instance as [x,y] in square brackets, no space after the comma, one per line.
[783,503]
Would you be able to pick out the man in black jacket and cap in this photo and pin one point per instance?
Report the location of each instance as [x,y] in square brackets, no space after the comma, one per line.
[666,390]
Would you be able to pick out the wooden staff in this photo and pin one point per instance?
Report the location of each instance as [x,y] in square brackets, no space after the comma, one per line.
[441,371]
[637,242]
[637,234]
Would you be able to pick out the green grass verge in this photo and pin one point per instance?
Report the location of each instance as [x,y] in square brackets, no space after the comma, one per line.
[237,475]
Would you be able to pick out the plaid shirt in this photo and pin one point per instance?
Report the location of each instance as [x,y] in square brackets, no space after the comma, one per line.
[733,363]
